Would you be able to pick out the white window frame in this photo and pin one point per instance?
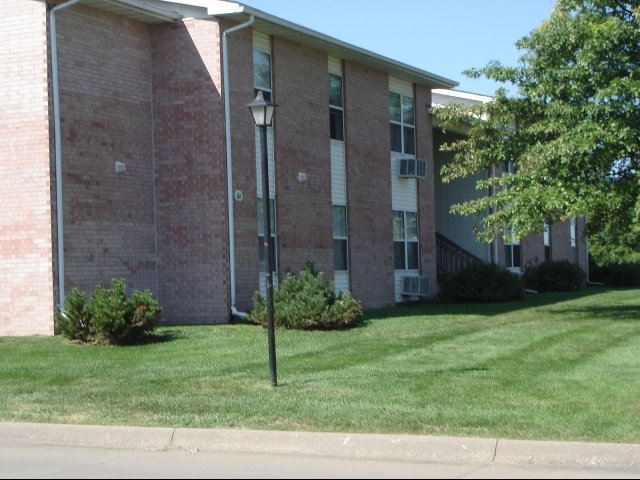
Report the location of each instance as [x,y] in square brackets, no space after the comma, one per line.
[403,238]
[336,110]
[342,237]
[404,123]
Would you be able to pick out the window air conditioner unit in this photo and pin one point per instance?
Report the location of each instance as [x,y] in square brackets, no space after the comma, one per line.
[412,168]
[415,286]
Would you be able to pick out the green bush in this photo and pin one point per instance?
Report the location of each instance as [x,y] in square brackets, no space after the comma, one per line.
[108,316]
[74,321]
[617,274]
[306,302]
[554,276]
[481,282]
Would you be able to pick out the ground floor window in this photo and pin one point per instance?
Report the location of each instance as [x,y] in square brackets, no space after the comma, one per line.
[511,250]
[272,243]
[405,240]
[340,258]
[547,242]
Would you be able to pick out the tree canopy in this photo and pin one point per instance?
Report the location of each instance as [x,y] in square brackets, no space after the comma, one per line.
[572,130]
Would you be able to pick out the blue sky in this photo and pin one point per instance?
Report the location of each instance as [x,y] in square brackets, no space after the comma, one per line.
[443,37]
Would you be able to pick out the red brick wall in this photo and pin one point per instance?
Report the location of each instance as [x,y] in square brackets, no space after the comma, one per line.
[368,185]
[27,295]
[105,103]
[532,248]
[305,228]
[191,174]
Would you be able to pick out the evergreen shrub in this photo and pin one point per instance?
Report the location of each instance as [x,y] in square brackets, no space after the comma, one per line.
[307,301]
[108,315]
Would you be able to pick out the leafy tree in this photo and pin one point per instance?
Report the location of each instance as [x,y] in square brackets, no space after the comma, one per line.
[572,130]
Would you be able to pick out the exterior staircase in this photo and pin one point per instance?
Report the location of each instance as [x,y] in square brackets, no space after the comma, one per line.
[451,257]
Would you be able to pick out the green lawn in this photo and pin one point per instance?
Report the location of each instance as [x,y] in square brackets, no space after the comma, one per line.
[551,366]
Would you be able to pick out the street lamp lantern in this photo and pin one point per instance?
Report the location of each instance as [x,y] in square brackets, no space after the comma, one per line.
[262,112]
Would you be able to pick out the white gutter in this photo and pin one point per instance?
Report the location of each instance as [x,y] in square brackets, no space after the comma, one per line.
[58,146]
[227,127]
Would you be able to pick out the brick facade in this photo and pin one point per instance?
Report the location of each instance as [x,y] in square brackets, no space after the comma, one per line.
[26,242]
[368,184]
[144,171]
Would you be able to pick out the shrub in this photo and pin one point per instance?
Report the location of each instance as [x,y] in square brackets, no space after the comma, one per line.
[108,316]
[307,301]
[554,276]
[73,321]
[617,274]
[481,282]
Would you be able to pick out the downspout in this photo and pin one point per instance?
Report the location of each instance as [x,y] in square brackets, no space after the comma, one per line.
[58,145]
[227,127]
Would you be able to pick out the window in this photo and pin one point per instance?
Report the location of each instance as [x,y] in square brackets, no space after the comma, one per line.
[262,82]
[405,240]
[262,73]
[511,250]
[336,112]
[340,259]
[508,168]
[572,235]
[402,124]
[546,235]
[272,243]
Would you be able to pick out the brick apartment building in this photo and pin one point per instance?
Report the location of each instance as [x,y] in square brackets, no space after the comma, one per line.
[127,150]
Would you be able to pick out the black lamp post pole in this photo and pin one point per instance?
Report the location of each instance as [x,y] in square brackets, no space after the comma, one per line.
[266,208]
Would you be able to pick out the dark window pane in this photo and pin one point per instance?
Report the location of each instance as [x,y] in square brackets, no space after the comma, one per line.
[266,95]
[409,141]
[336,125]
[340,254]
[412,255]
[516,255]
[398,255]
[396,138]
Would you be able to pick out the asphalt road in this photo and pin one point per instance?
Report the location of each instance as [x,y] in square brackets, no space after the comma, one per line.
[77,451]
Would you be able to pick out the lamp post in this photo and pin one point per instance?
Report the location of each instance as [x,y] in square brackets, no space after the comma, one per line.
[262,112]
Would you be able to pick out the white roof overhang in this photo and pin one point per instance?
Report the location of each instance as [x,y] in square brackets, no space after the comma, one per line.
[159,11]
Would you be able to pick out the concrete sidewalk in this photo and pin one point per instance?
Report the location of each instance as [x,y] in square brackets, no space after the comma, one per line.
[413,448]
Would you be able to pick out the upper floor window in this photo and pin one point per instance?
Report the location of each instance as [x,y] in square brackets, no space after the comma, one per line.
[405,240]
[402,124]
[336,112]
[262,73]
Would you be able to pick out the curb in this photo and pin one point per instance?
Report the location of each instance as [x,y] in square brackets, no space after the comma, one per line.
[414,448]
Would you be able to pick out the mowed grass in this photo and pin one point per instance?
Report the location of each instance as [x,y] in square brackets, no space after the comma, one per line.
[549,367]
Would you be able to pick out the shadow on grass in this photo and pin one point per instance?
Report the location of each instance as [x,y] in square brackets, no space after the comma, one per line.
[604,312]
[437,307]
[157,336]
